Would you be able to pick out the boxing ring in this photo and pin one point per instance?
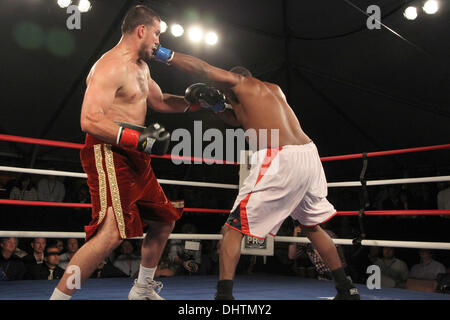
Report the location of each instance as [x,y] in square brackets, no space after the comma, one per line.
[251,287]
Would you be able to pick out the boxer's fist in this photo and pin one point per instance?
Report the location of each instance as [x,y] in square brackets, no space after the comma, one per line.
[153,139]
[162,54]
[200,94]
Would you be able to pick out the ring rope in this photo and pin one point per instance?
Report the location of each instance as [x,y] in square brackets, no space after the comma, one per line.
[84,175]
[230,186]
[189,236]
[11,138]
[342,213]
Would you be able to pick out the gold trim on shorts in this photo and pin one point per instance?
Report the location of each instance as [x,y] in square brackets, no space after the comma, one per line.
[101,181]
[114,188]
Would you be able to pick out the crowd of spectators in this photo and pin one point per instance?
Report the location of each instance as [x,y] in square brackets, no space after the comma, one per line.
[42,258]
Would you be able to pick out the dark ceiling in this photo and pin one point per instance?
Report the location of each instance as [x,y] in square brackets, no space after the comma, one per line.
[353,89]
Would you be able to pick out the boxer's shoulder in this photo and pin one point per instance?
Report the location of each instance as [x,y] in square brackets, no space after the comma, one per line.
[109,65]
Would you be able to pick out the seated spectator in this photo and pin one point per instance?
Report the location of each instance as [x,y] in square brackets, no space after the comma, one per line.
[127,262]
[51,189]
[394,272]
[186,255]
[19,252]
[48,270]
[106,270]
[37,256]
[209,258]
[428,268]
[165,267]
[11,266]
[60,245]
[24,190]
[71,247]
[295,250]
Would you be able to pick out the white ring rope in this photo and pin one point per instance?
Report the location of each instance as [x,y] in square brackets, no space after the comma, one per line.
[230,186]
[84,175]
[188,236]
[389,181]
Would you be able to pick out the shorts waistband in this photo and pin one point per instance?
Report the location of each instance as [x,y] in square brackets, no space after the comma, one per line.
[299,146]
[305,146]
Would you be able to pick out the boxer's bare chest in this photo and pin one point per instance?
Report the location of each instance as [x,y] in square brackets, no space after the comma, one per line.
[135,85]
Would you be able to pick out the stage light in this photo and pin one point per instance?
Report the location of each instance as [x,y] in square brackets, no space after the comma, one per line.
[211,38]
[431,7]
[177,30]
[84,5]
[410,13]
[195,34]
[64,3]
[163,26]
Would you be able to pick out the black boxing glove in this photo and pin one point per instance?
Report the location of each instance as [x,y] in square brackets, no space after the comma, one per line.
[200,95]
[153,139]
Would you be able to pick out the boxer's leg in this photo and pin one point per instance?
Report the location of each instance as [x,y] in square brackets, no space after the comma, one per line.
[322,242]
[230,252]
[94,251]
[145,288]
[324,245]
[155,242]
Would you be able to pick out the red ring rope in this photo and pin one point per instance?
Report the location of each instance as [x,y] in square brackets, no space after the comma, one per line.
[342,213]
[5,137]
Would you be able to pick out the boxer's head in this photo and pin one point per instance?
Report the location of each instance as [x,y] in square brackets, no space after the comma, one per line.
[242,71]
[144,24]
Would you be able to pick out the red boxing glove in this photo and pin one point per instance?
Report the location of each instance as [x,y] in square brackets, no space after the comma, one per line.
[128,138]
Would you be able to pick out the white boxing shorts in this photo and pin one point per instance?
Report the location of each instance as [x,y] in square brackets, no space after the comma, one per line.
[287,181]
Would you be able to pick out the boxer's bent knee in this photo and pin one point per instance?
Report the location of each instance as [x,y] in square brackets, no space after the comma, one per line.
[310,229]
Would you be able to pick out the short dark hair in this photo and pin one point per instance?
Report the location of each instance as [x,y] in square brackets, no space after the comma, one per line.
[52,246]
[136,16]
[242,71]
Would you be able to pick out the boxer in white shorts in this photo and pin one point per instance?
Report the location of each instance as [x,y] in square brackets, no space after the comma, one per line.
[296,186]
[298,189]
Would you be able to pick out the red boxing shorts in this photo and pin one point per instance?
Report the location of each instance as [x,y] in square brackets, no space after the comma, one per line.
[123,179]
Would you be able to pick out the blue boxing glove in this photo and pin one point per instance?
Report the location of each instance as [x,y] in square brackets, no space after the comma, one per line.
[204,96]
[163,54]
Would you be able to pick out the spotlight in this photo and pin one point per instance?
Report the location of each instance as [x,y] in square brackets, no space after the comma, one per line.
[84,6]
[64,3]
[211,38]
[177,30]
[431,7]
[410,13]
[163,26]
[195,34]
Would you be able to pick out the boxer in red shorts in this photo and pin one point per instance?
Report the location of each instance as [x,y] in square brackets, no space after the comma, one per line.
[116,156]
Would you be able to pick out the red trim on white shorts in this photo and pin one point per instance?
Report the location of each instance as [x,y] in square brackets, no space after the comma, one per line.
[270,155]
[241,231]
[315,225]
